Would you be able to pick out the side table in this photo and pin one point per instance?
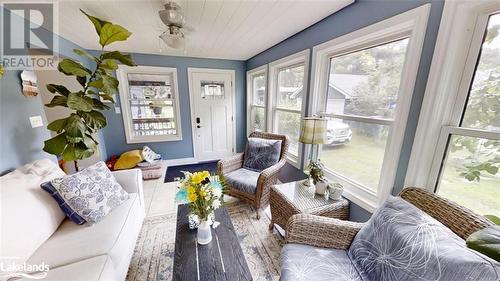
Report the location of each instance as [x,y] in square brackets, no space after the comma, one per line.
[293,198]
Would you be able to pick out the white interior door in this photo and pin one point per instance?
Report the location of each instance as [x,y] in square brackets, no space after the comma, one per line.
[212,93]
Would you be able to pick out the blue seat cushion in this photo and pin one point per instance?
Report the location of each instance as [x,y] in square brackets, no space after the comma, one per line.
[67,210]
[303,262]
[243,179]
[401,242]
[261,154]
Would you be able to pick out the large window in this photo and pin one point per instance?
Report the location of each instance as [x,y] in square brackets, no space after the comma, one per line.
[150,104]
[363,83]
[257,99]
[469,171]
[287,99]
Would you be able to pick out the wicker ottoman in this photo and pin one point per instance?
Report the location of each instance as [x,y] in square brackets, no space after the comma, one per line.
[293,198]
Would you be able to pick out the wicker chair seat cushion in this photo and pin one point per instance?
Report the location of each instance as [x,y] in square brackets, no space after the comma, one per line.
[261,153]
[401,242]
[303,262]
[243,179]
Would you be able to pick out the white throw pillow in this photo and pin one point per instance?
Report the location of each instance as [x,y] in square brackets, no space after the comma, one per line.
[91,193]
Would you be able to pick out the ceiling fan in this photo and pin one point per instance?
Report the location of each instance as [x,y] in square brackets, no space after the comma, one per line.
[174,19]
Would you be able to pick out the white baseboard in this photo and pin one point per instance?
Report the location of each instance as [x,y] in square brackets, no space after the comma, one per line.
[180,161]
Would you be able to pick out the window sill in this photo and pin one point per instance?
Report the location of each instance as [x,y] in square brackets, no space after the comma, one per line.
[154,139]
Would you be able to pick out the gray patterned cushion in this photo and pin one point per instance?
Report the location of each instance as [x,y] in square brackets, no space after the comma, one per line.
[401,242]
[302,262]
[261,153]
[243,180]
[92,193]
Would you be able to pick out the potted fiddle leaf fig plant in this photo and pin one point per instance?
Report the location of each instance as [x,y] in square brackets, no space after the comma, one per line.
[76,134]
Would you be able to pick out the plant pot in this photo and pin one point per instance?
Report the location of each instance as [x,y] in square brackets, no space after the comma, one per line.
[320,188]
[335,190]
[204,233]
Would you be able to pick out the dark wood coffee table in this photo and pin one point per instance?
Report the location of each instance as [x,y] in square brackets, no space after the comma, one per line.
[221,259]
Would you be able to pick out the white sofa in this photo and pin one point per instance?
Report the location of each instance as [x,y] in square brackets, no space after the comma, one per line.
[34,230]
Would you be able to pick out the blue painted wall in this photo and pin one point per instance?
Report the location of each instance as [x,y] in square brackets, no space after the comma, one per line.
[114,133]
[358,15]
[19,143]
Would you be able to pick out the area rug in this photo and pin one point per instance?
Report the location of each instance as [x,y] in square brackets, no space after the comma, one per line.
[154,251]
[175,172]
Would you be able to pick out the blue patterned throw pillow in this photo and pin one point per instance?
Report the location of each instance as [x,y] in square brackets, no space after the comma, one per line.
[89,195]
[261,154]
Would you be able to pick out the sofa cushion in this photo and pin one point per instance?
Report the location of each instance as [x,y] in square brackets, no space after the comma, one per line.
[93,269]
[401,242]
[114,236]
[243,180]
[32,214]
[92,193]
[67,210]
[128,160]
[261,154]
[302,262]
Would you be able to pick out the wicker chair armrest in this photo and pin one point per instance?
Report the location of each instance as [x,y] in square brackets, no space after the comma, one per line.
[271,173]
[321,231]
[228,165]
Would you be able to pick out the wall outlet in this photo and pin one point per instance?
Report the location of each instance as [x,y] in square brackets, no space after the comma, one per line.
[117,110]
[36,121]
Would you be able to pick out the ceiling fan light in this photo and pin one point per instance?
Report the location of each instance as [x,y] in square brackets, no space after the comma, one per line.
[172,40]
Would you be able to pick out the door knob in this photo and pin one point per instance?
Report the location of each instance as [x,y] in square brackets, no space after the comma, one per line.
[198,120]
[198,126]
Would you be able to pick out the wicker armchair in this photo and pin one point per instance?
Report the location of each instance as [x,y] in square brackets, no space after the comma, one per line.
[338,234]
[267,177]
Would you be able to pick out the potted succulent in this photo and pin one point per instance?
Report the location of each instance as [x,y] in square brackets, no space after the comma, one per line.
[317,174]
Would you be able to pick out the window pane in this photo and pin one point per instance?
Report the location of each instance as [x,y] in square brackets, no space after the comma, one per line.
[151,101]
[483,106]
[290,92]
[288,123]
[355,150]
[258,119]
[470,174]
[366,82]
[259,90]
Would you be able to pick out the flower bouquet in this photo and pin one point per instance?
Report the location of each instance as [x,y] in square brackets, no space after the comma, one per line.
[203,194]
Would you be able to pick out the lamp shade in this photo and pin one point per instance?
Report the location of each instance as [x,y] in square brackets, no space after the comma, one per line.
[313,130]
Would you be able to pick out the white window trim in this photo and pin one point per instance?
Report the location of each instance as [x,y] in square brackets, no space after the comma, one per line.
[301,57]
[121,74]
[250,74]
[412,24]
[459,40]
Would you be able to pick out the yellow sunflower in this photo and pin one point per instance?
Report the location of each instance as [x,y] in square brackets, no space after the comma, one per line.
[198,177]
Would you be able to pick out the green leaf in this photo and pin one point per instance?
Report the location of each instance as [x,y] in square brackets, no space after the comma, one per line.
[110,84]
[82,80]
[126,59]
[493,218]
[108,64]
[73,139]
[77,101]
[99,105]
[85,54]
[107,97]
[89,142]
[98,23]
[492,169]
[71,67]
[55,145]
[486,241]
[94,119]
[58,101]
[111,33]
[96,84]
[53,88]
[75,126]
[57,125]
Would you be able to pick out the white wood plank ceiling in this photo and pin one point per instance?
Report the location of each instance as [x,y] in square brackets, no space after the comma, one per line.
[227,29]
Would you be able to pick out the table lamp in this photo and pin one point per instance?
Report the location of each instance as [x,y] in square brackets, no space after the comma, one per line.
[314,133]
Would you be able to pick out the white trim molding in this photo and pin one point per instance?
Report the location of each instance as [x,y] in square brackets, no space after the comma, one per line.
[122,76]
[411,24]
[261,70]
[453,64]
[301,57]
